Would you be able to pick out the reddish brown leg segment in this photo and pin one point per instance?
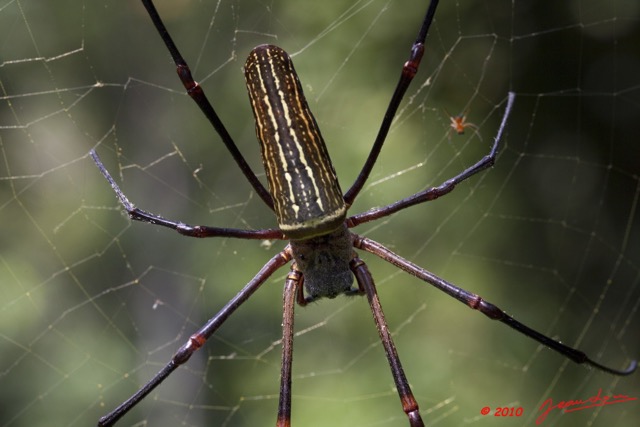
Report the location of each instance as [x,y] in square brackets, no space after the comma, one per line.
[485,307]
[365,281]
[198,339]
[291,286]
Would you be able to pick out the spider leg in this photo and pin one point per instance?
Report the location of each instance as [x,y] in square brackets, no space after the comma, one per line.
[199,338]
[477,303]
[197,94]
[475,129]
[444,188]
[292,289]
[409,70]
[365,282]
[182,228]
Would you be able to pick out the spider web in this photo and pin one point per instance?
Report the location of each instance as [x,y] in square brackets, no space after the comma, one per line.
[91,306]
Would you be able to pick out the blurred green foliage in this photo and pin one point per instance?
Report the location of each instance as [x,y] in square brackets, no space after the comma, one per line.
[91,306]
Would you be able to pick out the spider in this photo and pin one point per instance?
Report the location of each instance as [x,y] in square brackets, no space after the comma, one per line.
[311,211]
[459,123]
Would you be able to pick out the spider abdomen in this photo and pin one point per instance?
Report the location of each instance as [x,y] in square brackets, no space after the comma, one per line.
[307,198]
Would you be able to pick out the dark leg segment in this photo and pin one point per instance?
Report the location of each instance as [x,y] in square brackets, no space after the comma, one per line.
[444,188]
[198,339]
[182,228]
[409,404]
[409,70]
[477,303]
[197,94]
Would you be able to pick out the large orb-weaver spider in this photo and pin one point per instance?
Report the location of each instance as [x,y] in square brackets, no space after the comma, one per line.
[312,214]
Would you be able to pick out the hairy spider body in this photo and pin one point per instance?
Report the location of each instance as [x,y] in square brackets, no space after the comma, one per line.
[324,264]
[311,212]
[459,124]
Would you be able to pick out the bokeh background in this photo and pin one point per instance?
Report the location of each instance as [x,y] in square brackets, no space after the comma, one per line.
[92,305]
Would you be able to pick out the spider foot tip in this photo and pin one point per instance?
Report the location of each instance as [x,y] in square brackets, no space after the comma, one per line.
[633,365]
[631,368]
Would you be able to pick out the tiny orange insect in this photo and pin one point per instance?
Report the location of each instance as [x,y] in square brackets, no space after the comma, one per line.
[459,124]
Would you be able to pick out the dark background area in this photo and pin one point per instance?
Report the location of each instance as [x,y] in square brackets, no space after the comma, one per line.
[91,305]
